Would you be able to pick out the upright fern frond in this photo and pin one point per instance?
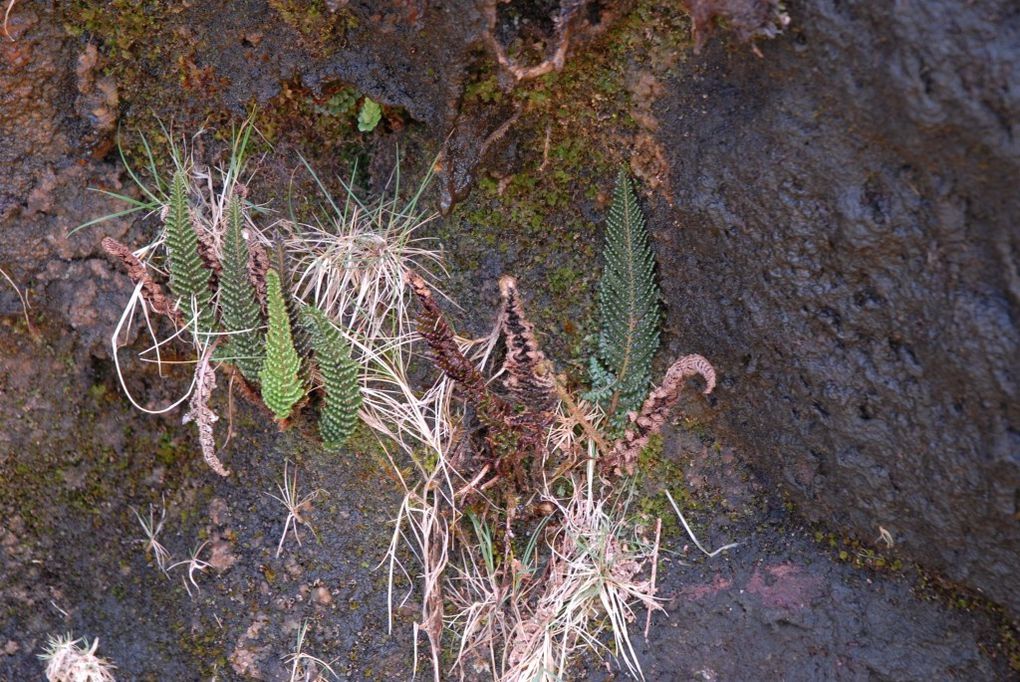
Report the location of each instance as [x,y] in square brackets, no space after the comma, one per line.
[629,308]
[281,384]
[339,377]
[189,279]
[239,308]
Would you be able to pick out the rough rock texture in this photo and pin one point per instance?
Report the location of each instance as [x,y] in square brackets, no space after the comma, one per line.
[845,249]
[842,250]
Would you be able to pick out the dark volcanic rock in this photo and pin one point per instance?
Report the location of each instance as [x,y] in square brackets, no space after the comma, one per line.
[845,248]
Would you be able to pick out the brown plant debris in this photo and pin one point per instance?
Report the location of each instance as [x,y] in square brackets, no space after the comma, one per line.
[200,412]
[151,290]
[570,12]
[655,412]
[748,19]
[439,336]
[526,374]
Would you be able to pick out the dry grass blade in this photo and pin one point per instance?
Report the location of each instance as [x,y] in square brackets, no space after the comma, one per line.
[152,529]
[296,506]
[303,666]
[194,565]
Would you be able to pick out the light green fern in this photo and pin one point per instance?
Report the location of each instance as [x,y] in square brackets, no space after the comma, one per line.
[281,383]
[239,308]
[628,307]
[189,278]
[339,376]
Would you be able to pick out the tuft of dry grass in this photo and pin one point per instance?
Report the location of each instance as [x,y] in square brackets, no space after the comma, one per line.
[74,660]
[296,506]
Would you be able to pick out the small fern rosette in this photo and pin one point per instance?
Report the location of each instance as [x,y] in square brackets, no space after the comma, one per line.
[280,375]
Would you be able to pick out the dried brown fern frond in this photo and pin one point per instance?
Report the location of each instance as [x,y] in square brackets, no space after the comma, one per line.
[526,374]
[655,412]
[439,336]
[151,290]
[200,412]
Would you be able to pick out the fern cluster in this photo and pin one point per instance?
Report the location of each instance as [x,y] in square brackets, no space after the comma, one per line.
[339,373]
[628,308]
[281,383]
[239,307]
[189,278]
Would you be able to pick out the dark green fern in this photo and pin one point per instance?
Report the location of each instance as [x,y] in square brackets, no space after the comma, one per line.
[339,377]
[281,383]
[189,278]
[239,308]
[628,307]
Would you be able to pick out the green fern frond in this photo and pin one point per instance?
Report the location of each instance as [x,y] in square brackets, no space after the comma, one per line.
[628,307]
[281,383]
[339,376]
[189,278]
[239,308]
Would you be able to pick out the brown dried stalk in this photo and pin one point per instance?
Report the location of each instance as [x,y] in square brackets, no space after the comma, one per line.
[200,412]
[526,371]
[151,290]
[655,412]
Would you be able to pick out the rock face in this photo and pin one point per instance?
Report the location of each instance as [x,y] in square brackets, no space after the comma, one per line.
[846,249]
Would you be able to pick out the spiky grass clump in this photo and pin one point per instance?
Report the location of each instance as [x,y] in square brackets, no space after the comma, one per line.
[280,374]
[66,661]
[352,264]
[339,373]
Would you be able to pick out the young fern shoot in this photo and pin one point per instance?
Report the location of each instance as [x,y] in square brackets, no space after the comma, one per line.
[340,379]
[189,278]
[239,306]
[280,378]
[629,308]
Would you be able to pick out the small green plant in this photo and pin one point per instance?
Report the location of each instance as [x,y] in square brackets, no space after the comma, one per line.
[339,372]
[189,278]
[369,115]
[629,308]
[239,307]
[280,378]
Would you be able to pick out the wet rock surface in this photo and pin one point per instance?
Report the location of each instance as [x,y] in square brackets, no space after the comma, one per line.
[837,241]
[843,241]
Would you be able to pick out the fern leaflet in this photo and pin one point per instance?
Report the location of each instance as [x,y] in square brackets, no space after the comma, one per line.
[340,379]
[628,307]
[189,278]
[281,384]
[239,308]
